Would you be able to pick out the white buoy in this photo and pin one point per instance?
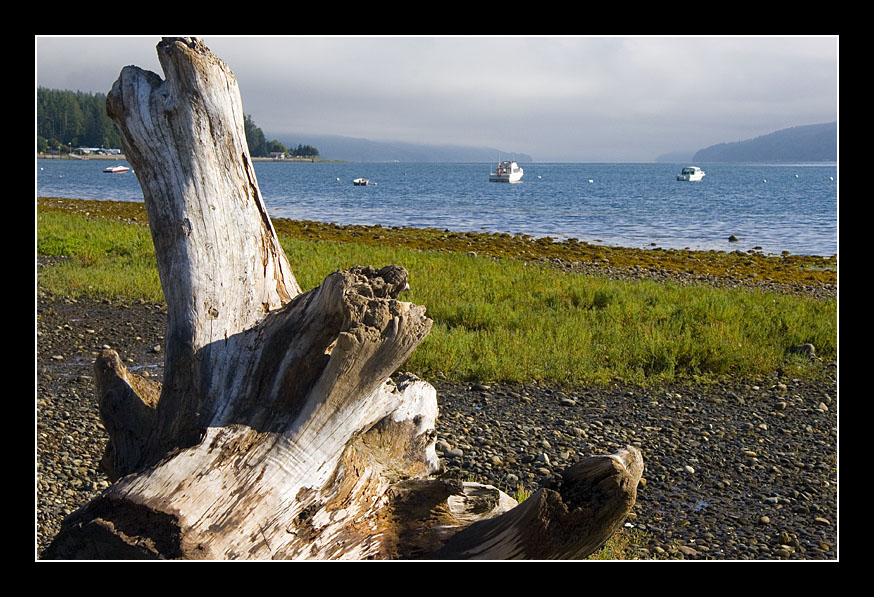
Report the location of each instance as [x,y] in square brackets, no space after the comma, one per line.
[590,180]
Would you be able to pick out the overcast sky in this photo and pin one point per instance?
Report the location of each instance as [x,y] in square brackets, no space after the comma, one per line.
[558,99]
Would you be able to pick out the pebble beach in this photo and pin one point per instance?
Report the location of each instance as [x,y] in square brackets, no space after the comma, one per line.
[736,470]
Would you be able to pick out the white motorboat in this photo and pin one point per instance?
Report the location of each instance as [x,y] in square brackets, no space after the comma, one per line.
[116,169]
[691,173]
[361,182]
[506,171]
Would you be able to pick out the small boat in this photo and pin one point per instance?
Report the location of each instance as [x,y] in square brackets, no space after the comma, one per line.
[116,169]
[506,171]
[691,173]
[361,182]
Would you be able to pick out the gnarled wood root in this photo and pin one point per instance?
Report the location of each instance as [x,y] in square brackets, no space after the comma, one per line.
[277,432]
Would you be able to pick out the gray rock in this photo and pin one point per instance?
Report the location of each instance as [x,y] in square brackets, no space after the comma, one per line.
[805,349]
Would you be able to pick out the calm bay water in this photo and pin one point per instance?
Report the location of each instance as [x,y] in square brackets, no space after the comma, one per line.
[777,207]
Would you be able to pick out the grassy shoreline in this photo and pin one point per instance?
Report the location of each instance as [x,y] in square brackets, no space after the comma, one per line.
[502,310]
[750,265]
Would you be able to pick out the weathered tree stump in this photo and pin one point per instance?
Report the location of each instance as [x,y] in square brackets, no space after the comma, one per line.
[277,432]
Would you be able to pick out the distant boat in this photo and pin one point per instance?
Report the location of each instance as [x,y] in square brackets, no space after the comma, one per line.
[691,173]
[361,182]
[116,169]
[506,171]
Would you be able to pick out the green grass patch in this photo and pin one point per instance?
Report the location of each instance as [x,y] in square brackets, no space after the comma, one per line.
[501,319]
[102,258]
[507,320]
[624,544]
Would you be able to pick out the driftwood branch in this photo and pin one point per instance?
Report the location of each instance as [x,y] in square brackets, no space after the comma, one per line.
[277,432]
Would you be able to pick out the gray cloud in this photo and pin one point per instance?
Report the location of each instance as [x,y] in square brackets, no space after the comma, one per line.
[555,98]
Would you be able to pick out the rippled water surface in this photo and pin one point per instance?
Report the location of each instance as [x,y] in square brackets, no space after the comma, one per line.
[775,207]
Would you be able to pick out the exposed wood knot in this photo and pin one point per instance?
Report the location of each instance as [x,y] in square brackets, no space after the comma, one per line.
[387,282]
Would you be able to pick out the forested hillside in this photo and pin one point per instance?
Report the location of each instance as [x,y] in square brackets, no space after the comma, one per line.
[810,143]
[66,119]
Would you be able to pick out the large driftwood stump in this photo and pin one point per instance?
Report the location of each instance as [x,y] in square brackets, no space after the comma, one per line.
[277,431]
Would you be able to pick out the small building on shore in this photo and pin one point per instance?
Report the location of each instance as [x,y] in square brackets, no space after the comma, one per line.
[98,150]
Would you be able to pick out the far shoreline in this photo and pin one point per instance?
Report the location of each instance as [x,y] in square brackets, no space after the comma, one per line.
[121,158]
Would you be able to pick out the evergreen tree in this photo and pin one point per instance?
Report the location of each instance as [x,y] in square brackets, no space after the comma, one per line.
[305,151]
[254,138]
[276,146]
[75,119]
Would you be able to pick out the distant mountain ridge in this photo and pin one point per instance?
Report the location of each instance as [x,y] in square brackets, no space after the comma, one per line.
[808,143]
[351,149]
